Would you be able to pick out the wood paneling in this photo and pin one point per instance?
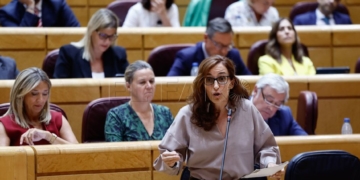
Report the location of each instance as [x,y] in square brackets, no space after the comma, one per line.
[17,163]
[55,41]
[346,36]
[335,86]
[74,113]
[22,41]
[81,14]
[319,37]
[321,57]
[133,55]
[354,13]
[139,175]
[346,56]
[26,58]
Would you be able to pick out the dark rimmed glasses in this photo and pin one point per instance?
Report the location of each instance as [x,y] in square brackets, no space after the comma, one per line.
[220,46]
[220,80]
[104,36]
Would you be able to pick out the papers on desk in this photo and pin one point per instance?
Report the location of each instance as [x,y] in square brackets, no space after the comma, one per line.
[266,171]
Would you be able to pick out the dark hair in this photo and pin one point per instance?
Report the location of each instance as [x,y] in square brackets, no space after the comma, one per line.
[220,25]
[202,116]
[147,4]
[273,46]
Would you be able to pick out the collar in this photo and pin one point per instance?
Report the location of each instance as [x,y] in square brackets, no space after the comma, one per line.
[206,55]
[38,5]
[320,15]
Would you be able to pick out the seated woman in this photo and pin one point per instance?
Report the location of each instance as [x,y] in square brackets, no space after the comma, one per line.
[217,98]
[153,13]
[95,55]
[138,120]
[29,119]
[284,54]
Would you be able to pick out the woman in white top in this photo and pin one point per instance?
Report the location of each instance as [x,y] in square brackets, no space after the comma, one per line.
[153,13]
[95,55]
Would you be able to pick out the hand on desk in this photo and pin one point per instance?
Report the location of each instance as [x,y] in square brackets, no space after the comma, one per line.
[170,158]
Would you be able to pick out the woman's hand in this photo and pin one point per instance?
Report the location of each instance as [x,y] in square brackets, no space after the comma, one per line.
[33,135]
[170,158]
[158,6]
[278,174]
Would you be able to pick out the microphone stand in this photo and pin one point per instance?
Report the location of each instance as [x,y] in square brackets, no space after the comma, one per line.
[226,139]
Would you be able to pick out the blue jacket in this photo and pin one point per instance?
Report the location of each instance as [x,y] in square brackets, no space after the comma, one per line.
[283,123]
[54,13]
[309,18]
[70,63]
[8,68]
[185,57]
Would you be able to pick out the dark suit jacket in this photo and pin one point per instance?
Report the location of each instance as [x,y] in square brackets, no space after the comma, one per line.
[185,57]
[70,63]
[309,18]
[54,13]
[283,123]
[8,68]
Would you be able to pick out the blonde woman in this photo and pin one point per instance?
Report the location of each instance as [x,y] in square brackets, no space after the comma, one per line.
[95,55]
[29,119]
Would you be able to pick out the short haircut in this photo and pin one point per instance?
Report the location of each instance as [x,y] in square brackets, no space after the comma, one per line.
[218,25]
[276,82]
[133,67]
[147,4]
[24,83]
[102,19]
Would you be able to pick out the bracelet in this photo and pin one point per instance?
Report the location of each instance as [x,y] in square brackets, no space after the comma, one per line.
[53,138]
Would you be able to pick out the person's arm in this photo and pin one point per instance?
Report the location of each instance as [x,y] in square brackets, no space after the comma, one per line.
[297,21]
[29,19]
[63,66]
[113,127]
[265,66]
[132,18]
[123,60]
[179,67]
[241,69]
[4,139]
[66,134]
[173,13]
[293,127]
[68,18]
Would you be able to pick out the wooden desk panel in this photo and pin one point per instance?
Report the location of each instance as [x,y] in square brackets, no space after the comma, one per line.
[346,56]
[139,175]
[284,11]
[17,163]
[130,40]
[153,38]
[354,11]
[314,37]
[23,41]
[27,58]
[346,36]
[351,2]
[5,88]
[81,14]
[321,57]
[246,36]
[55,41]
[335,86]
[133,55]
[101,3]
[75,113]
[77,3]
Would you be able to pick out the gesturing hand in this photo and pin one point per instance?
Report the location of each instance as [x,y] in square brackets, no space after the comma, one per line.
[170,158]
[33,135]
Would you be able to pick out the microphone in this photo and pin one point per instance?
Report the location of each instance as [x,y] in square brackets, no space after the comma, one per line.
[229,114]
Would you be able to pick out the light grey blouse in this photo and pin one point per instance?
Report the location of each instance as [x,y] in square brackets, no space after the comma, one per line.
[250,141]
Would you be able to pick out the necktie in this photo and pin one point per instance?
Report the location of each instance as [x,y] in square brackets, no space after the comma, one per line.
[37,12]
[326,20]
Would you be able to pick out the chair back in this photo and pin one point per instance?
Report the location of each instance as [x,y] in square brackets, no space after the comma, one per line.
[5,106]
[303,7]
[218,8]
[49,62]
[257,50]
[162,57]
[94,117]
[307,111]
[121,8]
[357,66]
[328,164]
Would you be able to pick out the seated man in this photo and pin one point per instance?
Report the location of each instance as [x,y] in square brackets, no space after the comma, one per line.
[252,13]
[269,95]
[37,13]
[217,41]
[8,68]
[325,14]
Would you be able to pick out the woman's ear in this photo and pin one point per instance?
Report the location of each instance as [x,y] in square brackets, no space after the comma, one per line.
[127,85]
[231,85]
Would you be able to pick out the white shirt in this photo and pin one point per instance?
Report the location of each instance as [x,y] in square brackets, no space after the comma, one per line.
[206,55]
[138,16]
[241,14]
[320,16]
[96,75]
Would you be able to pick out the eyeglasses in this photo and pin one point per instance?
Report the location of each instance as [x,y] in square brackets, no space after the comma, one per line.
[220,80]
[104,36]
[219,46]
[276,105]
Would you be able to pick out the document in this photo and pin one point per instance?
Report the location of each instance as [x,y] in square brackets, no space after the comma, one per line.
[266,171]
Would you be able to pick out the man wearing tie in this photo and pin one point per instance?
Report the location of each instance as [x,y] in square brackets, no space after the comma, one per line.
[324,15]
[37,13]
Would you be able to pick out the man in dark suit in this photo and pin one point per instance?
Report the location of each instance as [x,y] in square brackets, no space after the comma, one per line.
[325,14]
[8,68]
[217,41]
[269,95]
[37,13]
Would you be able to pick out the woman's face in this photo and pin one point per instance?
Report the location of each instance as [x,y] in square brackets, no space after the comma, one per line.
[35,100]
[142,88]
[218,90]
[103,38]
[285,34]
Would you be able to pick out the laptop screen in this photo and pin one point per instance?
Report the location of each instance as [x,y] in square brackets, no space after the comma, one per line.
[332,70]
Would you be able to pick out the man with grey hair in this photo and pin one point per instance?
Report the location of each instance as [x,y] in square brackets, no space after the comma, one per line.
[269,96]
[218,40]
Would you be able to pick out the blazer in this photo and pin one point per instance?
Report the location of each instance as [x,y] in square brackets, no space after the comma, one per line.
[267,64]
[309,18]
[55,13]
[70,63]
[283,123]
[185,57]
[8,68]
